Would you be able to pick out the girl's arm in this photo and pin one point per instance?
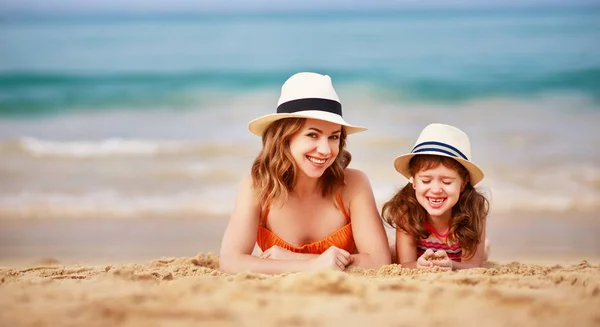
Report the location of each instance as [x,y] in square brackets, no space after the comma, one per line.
[367,227]
[477,259]
[406,249]
[240,237]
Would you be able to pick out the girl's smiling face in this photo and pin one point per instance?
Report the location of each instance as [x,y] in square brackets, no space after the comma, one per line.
[438,189]
[315,146]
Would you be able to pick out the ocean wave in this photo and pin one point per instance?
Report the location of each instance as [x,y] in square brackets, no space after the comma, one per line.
[527,200]
[26,94]
[116,147]
[218,200]
[107,204]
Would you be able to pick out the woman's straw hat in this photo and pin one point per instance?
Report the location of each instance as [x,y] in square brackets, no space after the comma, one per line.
[442,140]
[306,95]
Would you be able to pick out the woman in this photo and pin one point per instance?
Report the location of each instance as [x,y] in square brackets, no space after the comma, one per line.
[301,204]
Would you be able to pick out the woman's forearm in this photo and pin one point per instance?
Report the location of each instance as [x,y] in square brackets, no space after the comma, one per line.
[245,262]
[303,256]
[367,261]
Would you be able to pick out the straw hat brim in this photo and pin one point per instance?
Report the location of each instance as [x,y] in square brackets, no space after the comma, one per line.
[401,163]
[259,125]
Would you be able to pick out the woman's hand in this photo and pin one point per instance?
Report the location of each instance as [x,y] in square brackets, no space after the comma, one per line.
[277,252]
[333,258]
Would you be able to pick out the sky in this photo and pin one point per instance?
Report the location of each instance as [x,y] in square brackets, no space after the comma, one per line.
[149,6]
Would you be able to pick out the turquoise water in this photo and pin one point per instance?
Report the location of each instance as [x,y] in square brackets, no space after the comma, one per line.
[144,116]
[56,64]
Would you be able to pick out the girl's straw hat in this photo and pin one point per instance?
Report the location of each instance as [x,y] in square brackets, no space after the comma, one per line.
[306,95]
[442,140]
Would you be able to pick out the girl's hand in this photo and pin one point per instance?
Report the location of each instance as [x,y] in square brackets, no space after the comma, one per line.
[424,261]
[333,258]
[441,261]
[277,252]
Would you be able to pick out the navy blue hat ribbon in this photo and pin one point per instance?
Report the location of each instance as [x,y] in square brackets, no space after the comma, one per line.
[439,147]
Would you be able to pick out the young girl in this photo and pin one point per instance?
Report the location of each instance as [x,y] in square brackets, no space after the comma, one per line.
[300,204]
[439,216]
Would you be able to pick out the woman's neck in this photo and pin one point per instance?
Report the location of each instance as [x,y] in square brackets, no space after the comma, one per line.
[306,187]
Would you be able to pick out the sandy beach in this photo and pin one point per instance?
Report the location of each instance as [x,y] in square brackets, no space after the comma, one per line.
[545,272]
[124,139]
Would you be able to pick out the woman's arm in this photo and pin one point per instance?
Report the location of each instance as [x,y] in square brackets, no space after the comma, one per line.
[277,252]
[240,237]
[367,227]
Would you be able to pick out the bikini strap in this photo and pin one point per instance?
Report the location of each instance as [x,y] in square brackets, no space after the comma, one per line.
[338,198]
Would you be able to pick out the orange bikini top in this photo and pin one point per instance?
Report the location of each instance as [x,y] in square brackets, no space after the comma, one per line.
[342,238]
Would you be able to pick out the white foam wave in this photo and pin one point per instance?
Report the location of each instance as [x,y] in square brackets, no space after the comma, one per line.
[218,201]
[559,187]
[83,149]
[119,147]
[114,204]
[523,200]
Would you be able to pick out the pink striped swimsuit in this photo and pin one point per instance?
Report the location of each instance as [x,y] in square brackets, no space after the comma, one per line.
[436,242]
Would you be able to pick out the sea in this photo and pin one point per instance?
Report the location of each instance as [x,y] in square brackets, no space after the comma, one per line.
[145,115]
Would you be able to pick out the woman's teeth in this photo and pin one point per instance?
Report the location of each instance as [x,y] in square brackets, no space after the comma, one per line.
[317,161]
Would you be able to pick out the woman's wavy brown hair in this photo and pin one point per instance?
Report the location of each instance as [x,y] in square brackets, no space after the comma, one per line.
[404,212]
[274,171]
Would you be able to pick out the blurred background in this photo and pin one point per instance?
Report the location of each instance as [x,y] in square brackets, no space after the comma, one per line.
[138,109]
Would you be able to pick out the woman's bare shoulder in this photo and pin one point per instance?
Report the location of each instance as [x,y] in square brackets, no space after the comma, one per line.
[355,178]
[247,181]
[246,188]
[356,182]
